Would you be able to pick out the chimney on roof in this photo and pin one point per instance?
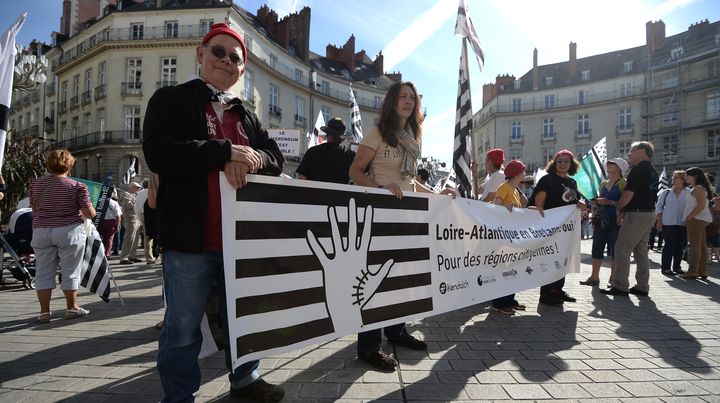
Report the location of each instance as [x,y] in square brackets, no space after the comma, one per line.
[292,30]
[395,76]
[378,63]
[572,65]
[489,92]
[654,36]
[346,54]
[535,77]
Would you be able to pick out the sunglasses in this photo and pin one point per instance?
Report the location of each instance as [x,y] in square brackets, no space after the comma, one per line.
[220,52]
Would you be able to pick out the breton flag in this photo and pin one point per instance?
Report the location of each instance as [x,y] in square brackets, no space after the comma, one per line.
[663,182]
[465,27]
[7,66]
[316,138]
[463,129]
[592,170]
[295,268]
[356,126]
[95,274]
[130,172]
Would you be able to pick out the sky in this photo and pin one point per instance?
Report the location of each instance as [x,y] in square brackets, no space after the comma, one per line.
[417,38]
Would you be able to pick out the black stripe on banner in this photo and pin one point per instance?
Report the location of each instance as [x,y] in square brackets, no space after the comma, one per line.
[278,301]
[297,264]
[267,193]
[286,336]
[292,230]
[409,281]
[388,312]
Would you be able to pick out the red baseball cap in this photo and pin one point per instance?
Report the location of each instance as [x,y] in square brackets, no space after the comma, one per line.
[222,28]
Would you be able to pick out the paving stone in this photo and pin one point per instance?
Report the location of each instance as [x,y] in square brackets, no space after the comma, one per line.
[605,390]
[449,392]
[495,377]
[682,388]
[486,392]
[526,392]
[643,389]
[673,374]
[566,391]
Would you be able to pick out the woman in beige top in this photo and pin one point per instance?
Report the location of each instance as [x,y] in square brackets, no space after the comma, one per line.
[389,153]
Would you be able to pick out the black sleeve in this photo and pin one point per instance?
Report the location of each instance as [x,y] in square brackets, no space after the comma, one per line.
[174,144]
[302,168]
[267,147]
[543,185]
[633,179]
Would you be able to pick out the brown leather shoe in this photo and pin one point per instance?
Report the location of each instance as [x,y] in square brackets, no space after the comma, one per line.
[378,360]
[258,390]
[409,342]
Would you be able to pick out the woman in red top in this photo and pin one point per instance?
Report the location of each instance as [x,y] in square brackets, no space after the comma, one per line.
[59,205]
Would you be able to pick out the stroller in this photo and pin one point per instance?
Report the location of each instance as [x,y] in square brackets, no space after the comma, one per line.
[21,260]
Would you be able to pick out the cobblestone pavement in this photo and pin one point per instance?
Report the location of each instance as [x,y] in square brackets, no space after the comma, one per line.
[662,348]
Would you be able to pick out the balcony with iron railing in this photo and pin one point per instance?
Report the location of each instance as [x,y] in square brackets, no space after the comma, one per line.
[75,102]
[118,137]
[300,121]
[62,107]
[86,97]
[274,110]
[35,95]
[34,130]
[131,89]
[548,137]
[166,83]
[50,89]
[583,135]
[100,92]
[625,129]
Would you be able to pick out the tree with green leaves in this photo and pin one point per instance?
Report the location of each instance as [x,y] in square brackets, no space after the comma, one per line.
[24,161]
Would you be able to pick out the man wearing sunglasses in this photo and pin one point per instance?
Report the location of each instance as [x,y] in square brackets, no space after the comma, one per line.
[192,132]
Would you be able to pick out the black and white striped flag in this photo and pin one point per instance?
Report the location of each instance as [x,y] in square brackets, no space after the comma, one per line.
[663,182]
[130,172]
[95,273]
[7,66]
[305,255]
[355,125]
[463,129]
[464,26]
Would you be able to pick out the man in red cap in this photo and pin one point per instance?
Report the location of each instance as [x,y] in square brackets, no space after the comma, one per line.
[192,132]
[495,175]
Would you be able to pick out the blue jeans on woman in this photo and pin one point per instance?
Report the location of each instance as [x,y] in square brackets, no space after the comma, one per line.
[675,241]
[189,279]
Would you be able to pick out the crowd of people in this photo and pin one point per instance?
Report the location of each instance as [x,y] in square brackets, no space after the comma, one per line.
[196,129]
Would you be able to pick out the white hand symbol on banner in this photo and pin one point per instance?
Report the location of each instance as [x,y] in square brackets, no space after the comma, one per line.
[349,282]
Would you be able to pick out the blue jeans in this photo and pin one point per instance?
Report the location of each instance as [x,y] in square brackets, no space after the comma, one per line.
[189,279]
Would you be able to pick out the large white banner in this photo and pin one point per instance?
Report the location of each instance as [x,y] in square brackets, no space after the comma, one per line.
[307,262]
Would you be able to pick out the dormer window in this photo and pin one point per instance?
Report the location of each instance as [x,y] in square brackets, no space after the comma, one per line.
[628,66]
[676,52]
[516,85]
[548,81]
[585,75]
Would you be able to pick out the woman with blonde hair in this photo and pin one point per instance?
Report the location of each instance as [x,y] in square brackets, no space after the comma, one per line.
[59,205]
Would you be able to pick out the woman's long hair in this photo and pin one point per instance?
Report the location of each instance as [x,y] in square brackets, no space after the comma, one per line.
[701,179]
[388,122]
